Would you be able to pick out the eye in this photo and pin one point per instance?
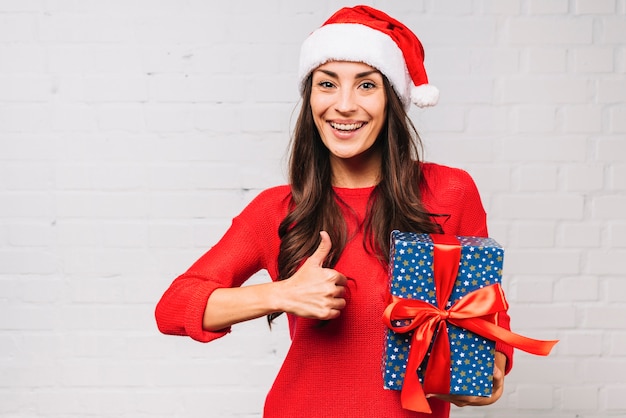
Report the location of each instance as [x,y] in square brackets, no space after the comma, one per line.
[368,85]
[326,84]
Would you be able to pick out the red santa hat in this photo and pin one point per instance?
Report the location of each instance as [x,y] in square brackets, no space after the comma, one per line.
[364,34]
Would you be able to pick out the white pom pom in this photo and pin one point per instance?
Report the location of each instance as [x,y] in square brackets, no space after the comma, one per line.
[425,95]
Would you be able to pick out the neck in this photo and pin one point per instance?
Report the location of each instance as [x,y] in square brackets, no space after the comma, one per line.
[356,172]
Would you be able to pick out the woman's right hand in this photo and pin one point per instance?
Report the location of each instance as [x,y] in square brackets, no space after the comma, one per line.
[315,291]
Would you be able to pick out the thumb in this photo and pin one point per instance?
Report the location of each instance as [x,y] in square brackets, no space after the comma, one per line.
[322,251]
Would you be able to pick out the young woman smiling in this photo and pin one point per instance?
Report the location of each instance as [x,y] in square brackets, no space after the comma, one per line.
[355,175]
[349,105]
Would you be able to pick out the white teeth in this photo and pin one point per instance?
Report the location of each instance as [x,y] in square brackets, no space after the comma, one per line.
[346,126]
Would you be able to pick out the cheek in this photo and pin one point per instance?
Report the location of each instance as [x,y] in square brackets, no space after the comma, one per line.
[319,104]
[379,116]
[319,124]
[317,117]
[376,106]
[318,110]
[382,110]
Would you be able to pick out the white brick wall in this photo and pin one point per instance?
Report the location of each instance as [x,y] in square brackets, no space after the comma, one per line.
[131,132]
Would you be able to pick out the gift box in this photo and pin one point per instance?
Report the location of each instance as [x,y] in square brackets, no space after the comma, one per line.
[412,277]
[445,295]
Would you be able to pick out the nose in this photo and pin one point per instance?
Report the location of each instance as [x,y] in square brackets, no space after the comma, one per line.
[346,101]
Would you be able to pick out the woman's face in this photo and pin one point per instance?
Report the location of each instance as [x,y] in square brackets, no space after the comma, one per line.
[349,108]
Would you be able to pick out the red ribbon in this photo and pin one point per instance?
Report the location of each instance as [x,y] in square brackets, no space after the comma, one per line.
[475,312]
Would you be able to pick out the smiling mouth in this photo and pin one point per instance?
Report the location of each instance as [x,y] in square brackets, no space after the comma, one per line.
[346,127]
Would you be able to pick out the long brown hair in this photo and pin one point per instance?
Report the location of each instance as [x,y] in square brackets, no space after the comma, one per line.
[395,202]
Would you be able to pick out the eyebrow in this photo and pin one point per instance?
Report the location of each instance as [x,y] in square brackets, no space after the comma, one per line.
[359,75]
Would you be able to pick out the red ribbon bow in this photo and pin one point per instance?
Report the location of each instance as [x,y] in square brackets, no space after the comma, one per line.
[475,312]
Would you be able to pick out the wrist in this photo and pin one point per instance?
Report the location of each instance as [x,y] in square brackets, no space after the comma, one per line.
[277,302]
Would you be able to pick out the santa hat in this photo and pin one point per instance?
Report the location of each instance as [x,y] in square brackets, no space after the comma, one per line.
[364,34]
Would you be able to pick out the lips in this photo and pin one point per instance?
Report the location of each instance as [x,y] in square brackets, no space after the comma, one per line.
[346,127]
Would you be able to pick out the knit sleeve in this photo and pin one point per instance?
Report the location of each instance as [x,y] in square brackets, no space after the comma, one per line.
[471,214]
[243,250]
[504,321]
[452,196]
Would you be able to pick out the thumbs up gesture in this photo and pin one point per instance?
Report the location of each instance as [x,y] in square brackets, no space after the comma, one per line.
[314,291]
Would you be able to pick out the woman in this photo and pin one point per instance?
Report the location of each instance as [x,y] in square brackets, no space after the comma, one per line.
[355,175]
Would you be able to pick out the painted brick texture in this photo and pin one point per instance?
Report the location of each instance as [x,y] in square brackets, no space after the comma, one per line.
[131,132]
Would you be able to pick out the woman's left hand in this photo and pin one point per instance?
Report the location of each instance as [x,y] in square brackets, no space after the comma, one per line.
[498,387]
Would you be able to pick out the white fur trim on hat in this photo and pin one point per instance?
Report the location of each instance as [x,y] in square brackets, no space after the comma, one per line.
[357,43]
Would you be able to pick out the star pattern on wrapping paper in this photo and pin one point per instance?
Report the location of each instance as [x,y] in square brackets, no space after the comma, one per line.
[472,357]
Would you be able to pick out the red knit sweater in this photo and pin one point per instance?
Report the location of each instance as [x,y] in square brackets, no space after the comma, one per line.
[332,370]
